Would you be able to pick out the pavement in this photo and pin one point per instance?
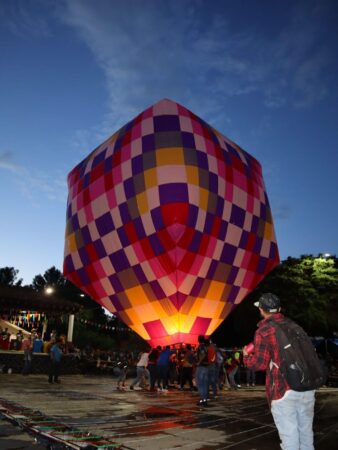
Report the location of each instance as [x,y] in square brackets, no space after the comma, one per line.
[89,412]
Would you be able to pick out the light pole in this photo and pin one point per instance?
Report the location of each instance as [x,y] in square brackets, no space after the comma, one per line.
[48,291]
[71,325]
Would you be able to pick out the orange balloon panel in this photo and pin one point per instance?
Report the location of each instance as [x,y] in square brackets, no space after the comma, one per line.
[168,225]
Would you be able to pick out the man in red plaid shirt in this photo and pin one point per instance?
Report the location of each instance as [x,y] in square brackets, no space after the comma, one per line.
[292,411]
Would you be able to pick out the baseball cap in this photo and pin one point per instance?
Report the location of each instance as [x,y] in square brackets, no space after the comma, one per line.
[269,302]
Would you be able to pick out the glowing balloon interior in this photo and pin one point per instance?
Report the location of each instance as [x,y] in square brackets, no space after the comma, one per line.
[168,225]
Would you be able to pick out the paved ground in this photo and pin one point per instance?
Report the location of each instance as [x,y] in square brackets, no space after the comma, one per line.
[143,420]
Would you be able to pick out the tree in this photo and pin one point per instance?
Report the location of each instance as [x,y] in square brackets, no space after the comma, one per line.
[308,288]
[52,277]
[8,277]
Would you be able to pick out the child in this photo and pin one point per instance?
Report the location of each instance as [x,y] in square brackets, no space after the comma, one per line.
[122,367]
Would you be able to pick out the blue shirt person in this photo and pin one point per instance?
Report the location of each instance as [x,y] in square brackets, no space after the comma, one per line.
[55,360]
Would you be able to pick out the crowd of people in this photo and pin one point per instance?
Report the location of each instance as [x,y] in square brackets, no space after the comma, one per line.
[163,368]
[157,369]
[29,343]
[19,340]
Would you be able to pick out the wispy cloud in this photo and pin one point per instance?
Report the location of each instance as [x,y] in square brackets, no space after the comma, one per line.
[282,211]
[153,50]
[34,185]
[25,18]
[7,163]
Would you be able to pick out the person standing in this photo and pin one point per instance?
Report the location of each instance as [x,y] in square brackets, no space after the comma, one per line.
[174,368]
[163,369]
[141,371]
[27,355]
[5,339]
[53,336]
[55,362]
[121,369]
[239,361]
[292,411]
[19,339]
[188,361]
[250,377]
[232,367]
[152,366]
[37,343]
[202,372]
[212,368]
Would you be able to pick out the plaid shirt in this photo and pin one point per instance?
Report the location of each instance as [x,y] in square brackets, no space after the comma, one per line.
[266,357]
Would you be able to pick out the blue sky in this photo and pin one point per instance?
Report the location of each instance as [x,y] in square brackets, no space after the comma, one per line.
[264,73]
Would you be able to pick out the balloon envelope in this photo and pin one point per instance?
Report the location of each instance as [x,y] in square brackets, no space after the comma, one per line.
[168,225]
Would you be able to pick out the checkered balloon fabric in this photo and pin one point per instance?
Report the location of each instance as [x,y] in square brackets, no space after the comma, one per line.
[168,225]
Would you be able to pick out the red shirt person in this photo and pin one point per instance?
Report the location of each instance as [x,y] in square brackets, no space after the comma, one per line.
[292,411]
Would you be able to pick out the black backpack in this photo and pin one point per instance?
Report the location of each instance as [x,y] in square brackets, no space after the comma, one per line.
[300,364]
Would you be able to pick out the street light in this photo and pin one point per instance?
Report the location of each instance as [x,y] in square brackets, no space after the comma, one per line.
[49,290]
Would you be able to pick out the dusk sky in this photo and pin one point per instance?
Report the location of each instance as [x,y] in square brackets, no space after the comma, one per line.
[264,73]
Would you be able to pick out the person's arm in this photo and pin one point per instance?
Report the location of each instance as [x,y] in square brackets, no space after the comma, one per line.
[260,359]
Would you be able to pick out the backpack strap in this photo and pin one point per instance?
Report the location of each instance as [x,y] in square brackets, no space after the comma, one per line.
[277,325]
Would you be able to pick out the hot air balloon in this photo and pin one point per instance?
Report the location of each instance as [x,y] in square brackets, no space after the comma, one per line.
[168,225]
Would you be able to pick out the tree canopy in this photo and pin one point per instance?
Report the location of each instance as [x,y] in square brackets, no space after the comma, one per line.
[9,277]
[51,278]
[308,289]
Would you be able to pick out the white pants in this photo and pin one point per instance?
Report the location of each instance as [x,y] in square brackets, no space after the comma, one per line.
[293,416]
